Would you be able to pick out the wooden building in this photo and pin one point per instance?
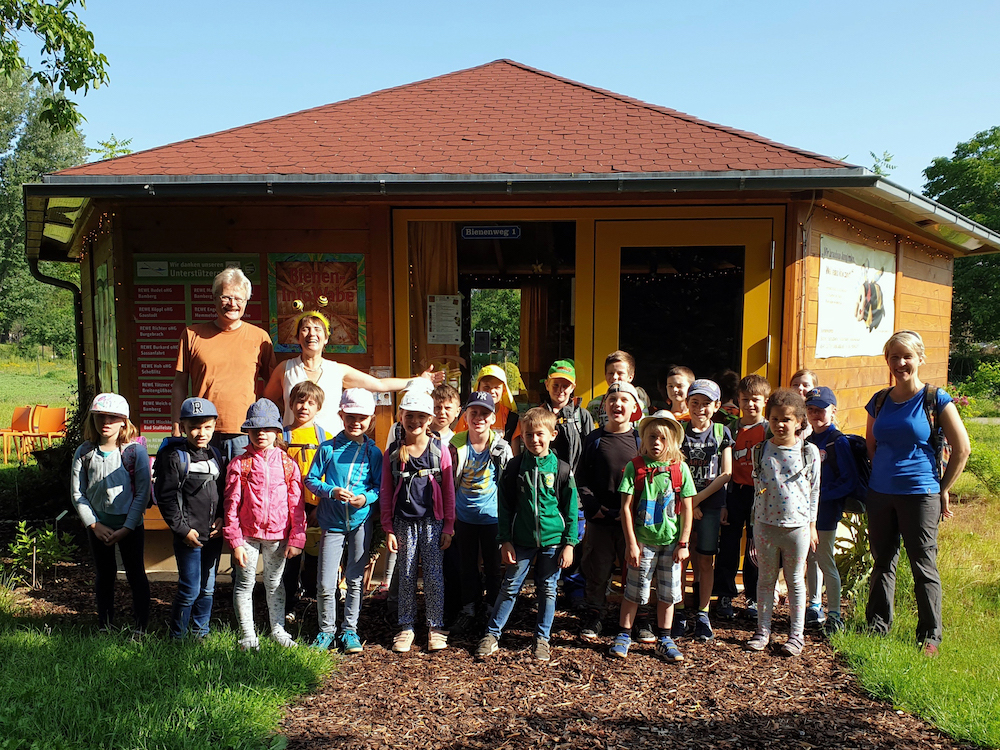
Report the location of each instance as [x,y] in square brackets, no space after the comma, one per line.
[624,224]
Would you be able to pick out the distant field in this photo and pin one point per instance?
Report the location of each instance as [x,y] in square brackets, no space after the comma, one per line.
[20,385]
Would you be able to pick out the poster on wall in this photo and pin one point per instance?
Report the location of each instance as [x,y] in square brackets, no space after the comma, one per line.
[332,284]
[171,291]
[857,286]
[444,319]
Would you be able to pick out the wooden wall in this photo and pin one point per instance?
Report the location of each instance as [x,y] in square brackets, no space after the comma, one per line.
[922,303]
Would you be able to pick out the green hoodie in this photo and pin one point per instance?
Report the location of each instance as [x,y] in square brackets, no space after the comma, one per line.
[537,502]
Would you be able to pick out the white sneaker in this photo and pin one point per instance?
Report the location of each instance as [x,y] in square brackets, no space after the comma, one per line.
[402,642]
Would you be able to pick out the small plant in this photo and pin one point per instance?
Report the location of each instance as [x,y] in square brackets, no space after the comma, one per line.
[854,559]
[35,551]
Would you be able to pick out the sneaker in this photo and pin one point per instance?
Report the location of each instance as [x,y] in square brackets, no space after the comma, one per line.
[759,641]
[929,649]
[592,627]
[667,649]
[462,624]
[619,649]
[793,646]
[679,628]
[646,634]
[724,610]
[282,638]
[751,609]
[833,624]
[402,642]
[350,642]
[323,641]
[250,645]
[381,593]
[815,617]
[437,639]
[542,650]
[290,618]
[487,647]
[703,628]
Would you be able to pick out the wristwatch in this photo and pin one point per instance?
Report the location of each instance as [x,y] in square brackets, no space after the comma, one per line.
[682,545]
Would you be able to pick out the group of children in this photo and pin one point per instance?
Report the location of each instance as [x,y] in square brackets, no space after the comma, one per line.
[656,492]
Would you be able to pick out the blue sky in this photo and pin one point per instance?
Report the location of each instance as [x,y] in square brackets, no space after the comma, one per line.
[839,78]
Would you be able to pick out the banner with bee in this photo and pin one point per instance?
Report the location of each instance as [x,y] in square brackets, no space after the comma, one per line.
[857,286]
[333,285]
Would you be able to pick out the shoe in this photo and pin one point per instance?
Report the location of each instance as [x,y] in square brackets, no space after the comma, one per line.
[402,642]
[592,627]
[350,642]
[724,610]
[929,649]
[759,641]
[282,638]
[833,624]
[381,593]
[542,650]
[646,634]
[815,617]
[487,646]
[679,628]
[290,618]
[793,646]
[751,609]
[462,624]
[250,645]
[437,639]
[323,641]
[666,648]
[703,628]
[619,649]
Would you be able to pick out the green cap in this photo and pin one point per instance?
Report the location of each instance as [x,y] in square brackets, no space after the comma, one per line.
[565,369]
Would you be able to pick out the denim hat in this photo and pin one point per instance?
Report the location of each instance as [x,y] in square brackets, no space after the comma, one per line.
[110,403]
[357,401]
[821,396]
[707,388]
[263,415]
[196,408]
[483,399]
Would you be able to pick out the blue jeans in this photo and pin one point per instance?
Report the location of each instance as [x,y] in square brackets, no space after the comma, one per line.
[196,569]
[546,577]
[331,550]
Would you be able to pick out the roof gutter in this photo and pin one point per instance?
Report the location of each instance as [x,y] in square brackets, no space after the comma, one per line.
[81,372]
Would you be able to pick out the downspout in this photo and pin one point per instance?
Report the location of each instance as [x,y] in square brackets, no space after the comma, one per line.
[81,372]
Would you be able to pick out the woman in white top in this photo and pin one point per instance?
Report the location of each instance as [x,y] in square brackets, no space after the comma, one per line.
[312,333]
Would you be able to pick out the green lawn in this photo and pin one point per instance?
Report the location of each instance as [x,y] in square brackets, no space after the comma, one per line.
[960,690]
[21,385]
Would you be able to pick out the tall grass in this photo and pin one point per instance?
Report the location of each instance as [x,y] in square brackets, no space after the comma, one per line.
[72,689]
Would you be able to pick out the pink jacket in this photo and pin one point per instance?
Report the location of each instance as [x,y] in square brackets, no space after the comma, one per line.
[264,506]
[443,493]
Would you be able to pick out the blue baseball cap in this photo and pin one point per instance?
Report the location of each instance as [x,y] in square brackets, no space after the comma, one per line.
[821,396]
[483,399]
[705,387]
[196,408]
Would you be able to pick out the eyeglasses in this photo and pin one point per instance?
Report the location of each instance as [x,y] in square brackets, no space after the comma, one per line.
[227,300]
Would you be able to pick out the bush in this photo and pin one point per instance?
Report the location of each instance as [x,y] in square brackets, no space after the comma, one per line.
[984,382]
[39,550]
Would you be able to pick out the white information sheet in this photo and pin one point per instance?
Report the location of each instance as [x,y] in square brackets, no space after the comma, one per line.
[444,319]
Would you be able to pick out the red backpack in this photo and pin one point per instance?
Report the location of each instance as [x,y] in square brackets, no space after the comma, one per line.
[643,474]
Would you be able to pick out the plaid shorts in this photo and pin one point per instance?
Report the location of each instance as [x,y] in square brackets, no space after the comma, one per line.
[658,559]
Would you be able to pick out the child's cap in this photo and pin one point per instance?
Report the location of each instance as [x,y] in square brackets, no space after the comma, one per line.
[483,399]
[622,387]
[263,415]
[565,369]
[707,388]
[495,371]
[110,403]
[358,401]
[662,416]
[421,385]
[821,396]
[196,408]
[417,401]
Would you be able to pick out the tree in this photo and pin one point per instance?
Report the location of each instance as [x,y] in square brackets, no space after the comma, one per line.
[31,312]
[969,182]
[112,148]
[498,311]
[68,59]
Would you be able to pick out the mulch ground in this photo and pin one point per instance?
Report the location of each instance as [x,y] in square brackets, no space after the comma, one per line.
[721,696]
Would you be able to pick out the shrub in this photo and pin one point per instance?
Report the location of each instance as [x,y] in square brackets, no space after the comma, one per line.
[39,549]
[983,383]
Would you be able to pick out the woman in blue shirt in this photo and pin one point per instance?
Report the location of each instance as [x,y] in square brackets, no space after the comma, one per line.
[907,496]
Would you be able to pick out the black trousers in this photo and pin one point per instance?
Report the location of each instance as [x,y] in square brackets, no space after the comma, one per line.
[131,549]
[739,503]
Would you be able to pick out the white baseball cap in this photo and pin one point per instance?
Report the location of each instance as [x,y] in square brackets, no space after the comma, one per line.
[357,401]
[419,385]
[417,401]
[110,403]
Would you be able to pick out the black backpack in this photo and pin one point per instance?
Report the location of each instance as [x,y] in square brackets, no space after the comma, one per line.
[176,444]
[856,502]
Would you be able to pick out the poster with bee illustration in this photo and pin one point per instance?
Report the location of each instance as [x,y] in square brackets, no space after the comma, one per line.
[332,285]
[857,286]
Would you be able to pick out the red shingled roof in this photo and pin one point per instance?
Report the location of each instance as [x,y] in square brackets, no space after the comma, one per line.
[498,118]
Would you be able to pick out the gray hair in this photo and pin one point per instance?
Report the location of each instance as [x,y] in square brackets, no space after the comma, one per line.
[909,339]
[232,276]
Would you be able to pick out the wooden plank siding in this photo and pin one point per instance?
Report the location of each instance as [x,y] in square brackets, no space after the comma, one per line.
[922,303]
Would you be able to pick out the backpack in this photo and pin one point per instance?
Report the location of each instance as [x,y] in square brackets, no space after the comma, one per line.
[287,464]
[758,458]
[128,461]
[856,501]
[643,474]
[434,447]
[176,444]
[938,442]
[320,438]
[498,456]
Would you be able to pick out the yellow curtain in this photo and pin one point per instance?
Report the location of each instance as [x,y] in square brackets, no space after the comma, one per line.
[534,327]
[433,270]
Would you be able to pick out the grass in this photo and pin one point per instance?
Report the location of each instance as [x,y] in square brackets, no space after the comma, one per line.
[960,690]
[20,385]
[70,688]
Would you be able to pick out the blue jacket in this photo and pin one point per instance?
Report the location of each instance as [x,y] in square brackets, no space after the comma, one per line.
[838,476]
[343,463]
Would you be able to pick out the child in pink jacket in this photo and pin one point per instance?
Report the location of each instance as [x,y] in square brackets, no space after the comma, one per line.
[265,517]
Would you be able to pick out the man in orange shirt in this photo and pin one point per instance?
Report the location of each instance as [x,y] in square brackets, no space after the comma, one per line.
[226,361]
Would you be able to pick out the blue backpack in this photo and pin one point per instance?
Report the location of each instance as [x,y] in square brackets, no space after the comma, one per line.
[857,500]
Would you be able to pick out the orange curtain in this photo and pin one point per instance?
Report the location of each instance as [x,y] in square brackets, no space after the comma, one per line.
[433,270]
[534,327]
